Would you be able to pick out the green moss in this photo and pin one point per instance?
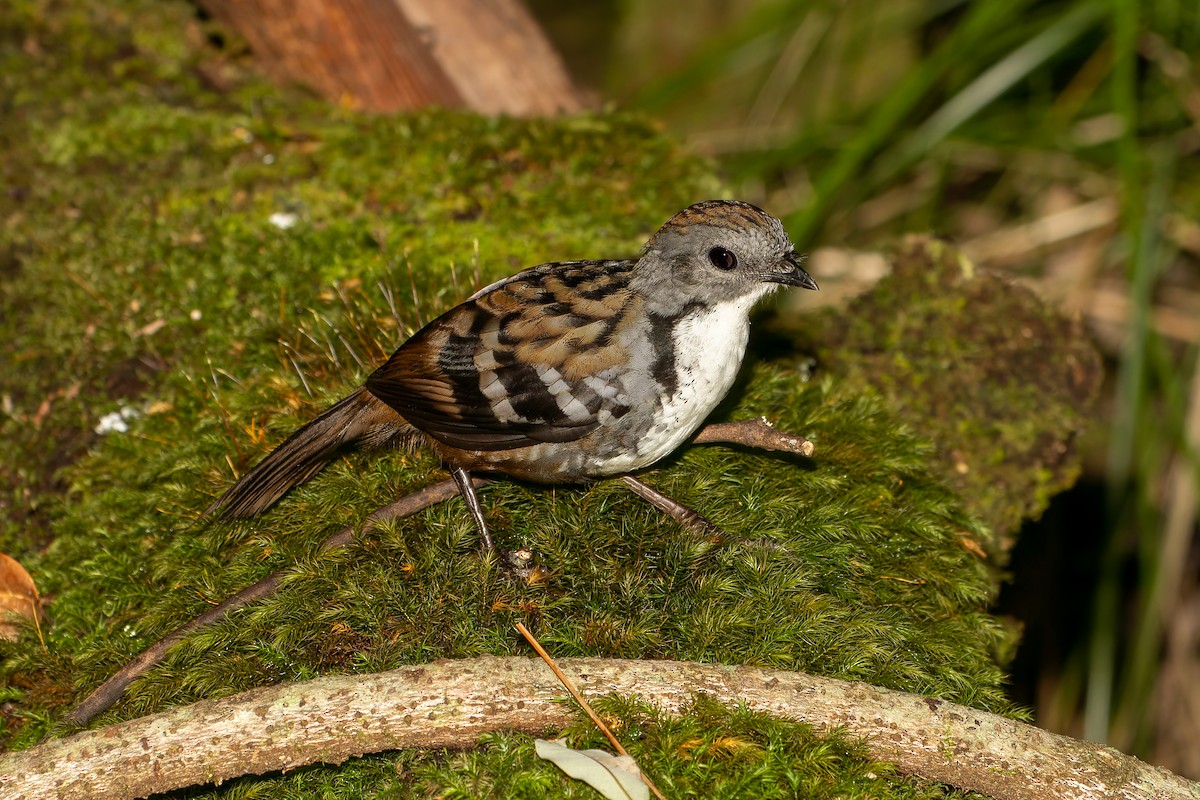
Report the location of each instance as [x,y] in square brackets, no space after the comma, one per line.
[139,269]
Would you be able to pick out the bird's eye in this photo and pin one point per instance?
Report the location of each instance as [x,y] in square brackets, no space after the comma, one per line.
[722,258]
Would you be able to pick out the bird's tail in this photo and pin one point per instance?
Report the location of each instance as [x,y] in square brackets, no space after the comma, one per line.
[360,419]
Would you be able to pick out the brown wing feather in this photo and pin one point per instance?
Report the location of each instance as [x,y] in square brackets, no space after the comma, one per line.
[511,366]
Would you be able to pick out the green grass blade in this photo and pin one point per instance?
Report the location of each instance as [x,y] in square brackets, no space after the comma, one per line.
[1002,76]
[1132,383]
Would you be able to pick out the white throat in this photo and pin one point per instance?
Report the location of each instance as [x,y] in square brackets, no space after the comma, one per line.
[709,345]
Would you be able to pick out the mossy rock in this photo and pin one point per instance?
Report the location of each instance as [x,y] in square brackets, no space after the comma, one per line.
[214,267]
[1002,383]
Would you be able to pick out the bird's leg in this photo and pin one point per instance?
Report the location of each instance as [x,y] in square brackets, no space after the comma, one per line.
[692,520]
[465,488]
[688,518]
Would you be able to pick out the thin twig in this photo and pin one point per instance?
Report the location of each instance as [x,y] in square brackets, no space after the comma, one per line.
[109,692]
[102,698]
[579,698]
[757,433]
[584,704]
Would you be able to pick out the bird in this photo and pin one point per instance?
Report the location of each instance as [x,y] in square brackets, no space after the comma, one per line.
[563,373]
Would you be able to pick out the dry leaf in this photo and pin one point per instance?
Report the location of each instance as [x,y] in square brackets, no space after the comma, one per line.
[18,595]
[615,777]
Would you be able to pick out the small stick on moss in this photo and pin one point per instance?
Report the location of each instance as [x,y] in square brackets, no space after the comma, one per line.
[102,698]
[757,433]
[109,692]
[584,704]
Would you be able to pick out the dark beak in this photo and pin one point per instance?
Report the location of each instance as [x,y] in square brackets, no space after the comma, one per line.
[794,275]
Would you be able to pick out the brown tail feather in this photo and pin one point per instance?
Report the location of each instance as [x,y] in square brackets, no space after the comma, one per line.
[359,419]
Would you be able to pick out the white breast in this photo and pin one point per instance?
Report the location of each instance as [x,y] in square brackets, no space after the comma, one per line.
[709,346]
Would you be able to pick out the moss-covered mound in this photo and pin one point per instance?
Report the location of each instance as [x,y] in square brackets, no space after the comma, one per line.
[202,263]
[1002,383]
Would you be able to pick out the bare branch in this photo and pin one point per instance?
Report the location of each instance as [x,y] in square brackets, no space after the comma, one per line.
[451,703]
[756,433]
